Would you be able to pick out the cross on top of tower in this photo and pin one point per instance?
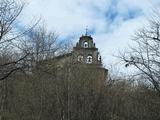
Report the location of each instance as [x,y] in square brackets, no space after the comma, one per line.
[86,31]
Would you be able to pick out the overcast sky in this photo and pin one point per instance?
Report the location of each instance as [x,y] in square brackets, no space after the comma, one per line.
[111,23]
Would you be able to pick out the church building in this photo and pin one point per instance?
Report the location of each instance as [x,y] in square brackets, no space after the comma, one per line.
[86,52]
[86,55]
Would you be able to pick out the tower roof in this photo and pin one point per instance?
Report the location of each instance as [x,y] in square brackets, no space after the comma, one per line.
[86,37]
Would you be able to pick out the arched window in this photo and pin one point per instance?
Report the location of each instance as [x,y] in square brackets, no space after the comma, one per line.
[99,57]
[89,59]
[85,44]
[80,58]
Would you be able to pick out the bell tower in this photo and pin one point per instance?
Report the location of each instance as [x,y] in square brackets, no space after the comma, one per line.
[86,51]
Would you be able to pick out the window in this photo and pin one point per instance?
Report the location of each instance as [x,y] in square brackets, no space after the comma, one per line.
[80,58]
[85,44]
[99,57]
[89,59]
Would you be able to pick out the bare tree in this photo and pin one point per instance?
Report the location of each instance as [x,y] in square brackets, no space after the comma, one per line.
[12,57]
[10,37]
[41,45]
[146,55]
[9,11]
[77,92]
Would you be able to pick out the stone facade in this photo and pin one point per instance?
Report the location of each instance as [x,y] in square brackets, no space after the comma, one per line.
[86,51]
[85,56]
